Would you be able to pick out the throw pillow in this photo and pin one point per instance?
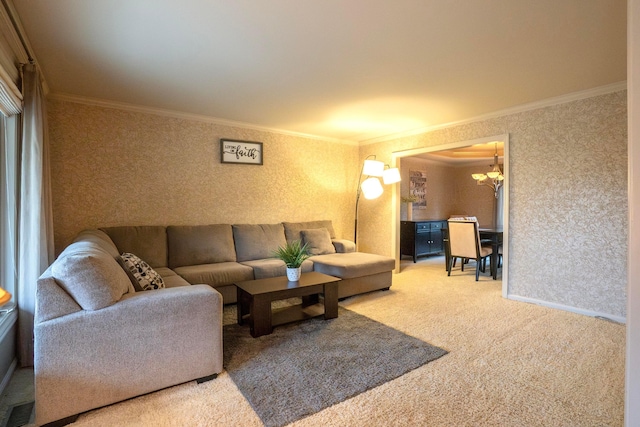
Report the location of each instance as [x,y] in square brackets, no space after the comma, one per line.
[318,241]
[142,276]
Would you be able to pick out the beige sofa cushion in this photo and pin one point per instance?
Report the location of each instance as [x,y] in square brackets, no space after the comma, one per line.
[292,229]
[219,274]
[100,238]
[318,241]
[53,301]
[343,245]
[273,267]
[200,244]
[353,264]
[257,241]
[149,242]
[171,278]
[90,275]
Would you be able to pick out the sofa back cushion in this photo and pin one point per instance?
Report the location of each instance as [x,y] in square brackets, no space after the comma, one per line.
[257,241]
[148,242]
[90,275]
[52,301]
[200,244]
[292,229]
[100,238]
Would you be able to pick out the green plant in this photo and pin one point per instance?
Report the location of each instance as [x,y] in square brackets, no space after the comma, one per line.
[293,254]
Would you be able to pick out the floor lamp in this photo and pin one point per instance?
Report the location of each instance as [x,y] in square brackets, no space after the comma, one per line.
[371,188]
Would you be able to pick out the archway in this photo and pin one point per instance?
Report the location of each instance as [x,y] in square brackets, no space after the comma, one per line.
[395,215]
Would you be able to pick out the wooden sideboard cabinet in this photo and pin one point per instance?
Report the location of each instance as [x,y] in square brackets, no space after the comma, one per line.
[418,238]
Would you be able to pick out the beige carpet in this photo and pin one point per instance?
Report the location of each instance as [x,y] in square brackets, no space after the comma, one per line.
[510,364]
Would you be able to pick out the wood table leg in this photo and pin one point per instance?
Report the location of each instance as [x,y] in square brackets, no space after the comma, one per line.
[261,316]
[331,300]
[242,306]
[308,300]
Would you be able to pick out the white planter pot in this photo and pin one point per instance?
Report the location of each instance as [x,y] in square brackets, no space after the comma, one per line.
[293,274]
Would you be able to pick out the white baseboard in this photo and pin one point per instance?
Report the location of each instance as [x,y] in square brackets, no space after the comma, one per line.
[556,306]
[7,347]
[7,376]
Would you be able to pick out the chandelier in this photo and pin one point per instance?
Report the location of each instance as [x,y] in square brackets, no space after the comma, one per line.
[494,178]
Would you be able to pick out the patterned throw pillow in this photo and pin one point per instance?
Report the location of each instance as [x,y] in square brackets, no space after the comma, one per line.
[143,277]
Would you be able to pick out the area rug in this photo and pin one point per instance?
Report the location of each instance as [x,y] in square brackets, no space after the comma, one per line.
[304,367]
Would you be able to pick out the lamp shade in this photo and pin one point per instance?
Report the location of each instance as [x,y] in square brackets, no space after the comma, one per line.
[371,188]
[391,176]
[495,173]
[373,168]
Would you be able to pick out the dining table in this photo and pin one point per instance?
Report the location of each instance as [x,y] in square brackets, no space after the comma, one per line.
[494,234]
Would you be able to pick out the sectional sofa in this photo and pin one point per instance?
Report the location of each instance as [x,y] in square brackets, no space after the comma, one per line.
[221,254]
[100,338]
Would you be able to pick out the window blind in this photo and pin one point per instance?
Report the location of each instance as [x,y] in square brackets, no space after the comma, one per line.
[10,96]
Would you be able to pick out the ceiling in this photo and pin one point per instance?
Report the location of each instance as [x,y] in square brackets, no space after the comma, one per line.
[352,70]
[465,156]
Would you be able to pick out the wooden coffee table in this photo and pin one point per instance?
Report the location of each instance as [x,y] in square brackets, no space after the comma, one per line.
[255,297]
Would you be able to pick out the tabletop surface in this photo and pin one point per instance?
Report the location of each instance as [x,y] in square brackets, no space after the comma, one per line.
[279,283]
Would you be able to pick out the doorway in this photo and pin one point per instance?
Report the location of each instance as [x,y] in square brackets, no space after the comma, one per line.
[447,149]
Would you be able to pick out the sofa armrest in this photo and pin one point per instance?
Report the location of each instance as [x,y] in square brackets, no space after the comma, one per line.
[344,246]
[145,342]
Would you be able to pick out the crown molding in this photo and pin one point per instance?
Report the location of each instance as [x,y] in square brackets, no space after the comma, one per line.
[188,116]
[589,93]
[562,99]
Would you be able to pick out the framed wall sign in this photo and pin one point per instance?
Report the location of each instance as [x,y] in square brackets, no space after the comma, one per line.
[418,188]
[244,152]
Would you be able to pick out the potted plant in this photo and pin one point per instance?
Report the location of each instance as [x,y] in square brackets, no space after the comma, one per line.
[293,254]
[409,200]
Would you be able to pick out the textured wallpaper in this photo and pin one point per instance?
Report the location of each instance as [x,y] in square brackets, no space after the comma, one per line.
[450,191]
[568,186]
[568,200]
[470,198]
[112,167]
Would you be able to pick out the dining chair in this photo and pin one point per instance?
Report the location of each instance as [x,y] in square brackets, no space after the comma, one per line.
[483,242]
[464,243]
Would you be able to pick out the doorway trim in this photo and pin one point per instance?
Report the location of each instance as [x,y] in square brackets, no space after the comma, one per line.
[395,205]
